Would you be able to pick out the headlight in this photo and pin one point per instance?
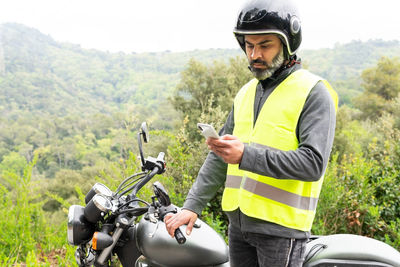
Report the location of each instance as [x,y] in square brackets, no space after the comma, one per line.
[97,207]
[98,188]
[79,229]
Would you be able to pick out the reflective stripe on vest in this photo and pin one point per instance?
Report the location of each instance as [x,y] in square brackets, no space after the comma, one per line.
[271,192]
[291,203]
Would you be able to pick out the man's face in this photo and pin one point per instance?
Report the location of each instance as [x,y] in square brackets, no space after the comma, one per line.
[265,54]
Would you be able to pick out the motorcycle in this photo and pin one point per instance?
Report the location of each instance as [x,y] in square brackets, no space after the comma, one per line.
[120,223]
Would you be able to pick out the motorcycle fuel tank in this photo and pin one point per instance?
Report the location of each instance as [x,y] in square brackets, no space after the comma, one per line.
[203,247]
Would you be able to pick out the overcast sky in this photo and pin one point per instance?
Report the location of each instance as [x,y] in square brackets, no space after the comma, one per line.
[181,25]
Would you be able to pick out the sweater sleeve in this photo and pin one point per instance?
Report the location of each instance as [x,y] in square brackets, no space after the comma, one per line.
[315,131]
[210,178]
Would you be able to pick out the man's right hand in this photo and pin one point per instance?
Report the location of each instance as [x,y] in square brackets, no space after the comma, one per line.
[173,221]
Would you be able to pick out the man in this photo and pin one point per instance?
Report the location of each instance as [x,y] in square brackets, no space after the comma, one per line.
[274,146]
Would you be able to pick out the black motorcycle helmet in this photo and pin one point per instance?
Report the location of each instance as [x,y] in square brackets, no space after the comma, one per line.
[270,17]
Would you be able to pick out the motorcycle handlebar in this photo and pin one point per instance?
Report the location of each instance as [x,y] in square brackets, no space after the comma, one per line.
[145,180]
[163,211]
[158,168]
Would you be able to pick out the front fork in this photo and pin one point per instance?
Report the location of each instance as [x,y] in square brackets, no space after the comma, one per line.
[122,223]
[128,252]
[84,255]
[124,244]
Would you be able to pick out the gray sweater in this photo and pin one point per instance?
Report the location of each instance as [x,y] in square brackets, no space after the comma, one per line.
[315,132]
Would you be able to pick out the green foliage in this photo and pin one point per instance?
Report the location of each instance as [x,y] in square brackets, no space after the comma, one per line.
[203,89]
[345,61]
[361,190]
[27,234]
[382,84]
[13,162]
[64,79]
[343,64]
[384,79]
[350,136]
[358,197]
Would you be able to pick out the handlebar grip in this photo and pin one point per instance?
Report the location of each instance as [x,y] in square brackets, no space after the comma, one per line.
[180,238]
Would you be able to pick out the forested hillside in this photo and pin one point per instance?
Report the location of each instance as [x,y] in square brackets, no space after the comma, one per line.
[343,64]
[41,75]
[69,118]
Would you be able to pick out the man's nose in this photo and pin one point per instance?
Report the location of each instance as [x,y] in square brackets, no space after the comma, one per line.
[255,53]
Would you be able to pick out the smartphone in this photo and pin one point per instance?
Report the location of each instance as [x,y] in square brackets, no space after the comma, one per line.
[207,130]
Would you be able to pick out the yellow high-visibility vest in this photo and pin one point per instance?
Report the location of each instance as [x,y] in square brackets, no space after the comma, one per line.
[287,202]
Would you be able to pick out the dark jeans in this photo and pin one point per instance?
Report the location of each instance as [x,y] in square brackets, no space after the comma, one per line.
[259,250]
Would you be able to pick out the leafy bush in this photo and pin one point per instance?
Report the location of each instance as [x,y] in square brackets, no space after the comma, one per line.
[27,235]
[361,191]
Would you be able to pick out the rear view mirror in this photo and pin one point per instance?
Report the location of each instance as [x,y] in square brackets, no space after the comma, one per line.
[144,131]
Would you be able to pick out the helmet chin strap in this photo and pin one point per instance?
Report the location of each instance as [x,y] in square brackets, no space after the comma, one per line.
[292,61]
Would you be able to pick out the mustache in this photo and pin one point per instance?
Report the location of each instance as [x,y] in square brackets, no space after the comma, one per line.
[258,61]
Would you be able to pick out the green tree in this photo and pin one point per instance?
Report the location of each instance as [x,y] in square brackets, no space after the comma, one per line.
[203,88]
[13,162]
[381,84]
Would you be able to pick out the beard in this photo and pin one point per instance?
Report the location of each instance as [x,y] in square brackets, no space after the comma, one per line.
[262,74]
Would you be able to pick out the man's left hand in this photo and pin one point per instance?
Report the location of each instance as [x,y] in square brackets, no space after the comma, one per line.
[228,147]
